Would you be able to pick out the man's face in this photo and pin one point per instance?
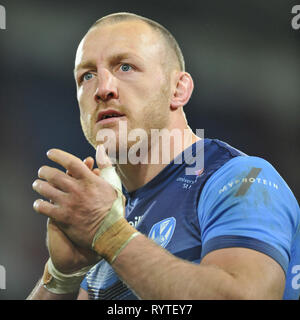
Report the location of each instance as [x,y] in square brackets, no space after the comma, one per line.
[118,67]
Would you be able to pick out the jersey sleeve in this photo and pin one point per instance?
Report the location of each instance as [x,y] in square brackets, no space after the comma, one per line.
[246,203]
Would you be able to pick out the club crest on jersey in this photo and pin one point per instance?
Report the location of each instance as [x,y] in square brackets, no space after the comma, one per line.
[162,231]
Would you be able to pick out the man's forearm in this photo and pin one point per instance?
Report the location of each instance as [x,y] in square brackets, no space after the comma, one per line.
[41,293]
[153,273]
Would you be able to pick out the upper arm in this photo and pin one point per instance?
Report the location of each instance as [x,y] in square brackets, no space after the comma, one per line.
[248,219]
[255,275]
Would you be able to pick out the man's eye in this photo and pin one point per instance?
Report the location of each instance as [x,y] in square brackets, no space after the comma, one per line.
[87,76]
[125,67]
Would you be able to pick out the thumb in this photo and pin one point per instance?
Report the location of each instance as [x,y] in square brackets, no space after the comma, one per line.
[108,172]
[102,158]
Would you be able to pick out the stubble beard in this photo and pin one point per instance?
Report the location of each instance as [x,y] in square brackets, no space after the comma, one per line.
[156,115]
[87,130]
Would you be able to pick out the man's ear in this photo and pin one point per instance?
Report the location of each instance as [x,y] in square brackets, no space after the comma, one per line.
[183,90]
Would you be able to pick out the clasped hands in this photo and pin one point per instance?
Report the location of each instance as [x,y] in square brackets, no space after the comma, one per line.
[86,210]
[79,198]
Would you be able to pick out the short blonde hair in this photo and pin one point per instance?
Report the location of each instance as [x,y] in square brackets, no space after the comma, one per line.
[170,41]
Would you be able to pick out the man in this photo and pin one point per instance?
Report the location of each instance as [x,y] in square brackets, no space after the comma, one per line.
[230,231]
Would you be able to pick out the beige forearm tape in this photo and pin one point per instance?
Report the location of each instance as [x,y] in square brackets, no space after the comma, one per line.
[60,283]
[114,232]
[114,239]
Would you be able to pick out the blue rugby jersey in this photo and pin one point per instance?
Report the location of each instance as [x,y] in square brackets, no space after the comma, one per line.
[237,201]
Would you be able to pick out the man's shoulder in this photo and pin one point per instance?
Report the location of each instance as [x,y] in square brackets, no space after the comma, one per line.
[220,155]
[243,177]
[217,153]
[219,146]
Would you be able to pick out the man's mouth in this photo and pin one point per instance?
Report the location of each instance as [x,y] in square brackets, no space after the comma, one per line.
[109,115]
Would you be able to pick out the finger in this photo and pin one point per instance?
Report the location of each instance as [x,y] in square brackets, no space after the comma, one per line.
[47,190]
[107,171]
[97,172]
[89,162]
[52,228]
[55,234]
[71,163]
[102,158]
[46,208]
[68,173]
[56,177]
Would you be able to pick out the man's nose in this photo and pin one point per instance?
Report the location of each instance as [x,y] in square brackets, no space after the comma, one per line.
[106,88]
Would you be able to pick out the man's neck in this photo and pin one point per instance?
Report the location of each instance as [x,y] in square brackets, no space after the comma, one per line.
[134,176]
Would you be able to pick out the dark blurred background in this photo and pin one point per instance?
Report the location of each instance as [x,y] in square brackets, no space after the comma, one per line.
[244,57]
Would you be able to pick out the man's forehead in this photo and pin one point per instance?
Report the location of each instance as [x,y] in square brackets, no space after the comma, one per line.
[129,28]
[135,35]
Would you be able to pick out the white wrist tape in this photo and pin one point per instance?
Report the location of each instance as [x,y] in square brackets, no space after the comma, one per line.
[60,283]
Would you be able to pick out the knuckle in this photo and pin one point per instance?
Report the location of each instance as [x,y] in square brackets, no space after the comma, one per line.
[66,219]
[57,178]
[67,204]
[64,216]
[72,165]
[71,186]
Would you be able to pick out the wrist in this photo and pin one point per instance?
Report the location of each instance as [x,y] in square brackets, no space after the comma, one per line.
[114,239]
[59,283]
